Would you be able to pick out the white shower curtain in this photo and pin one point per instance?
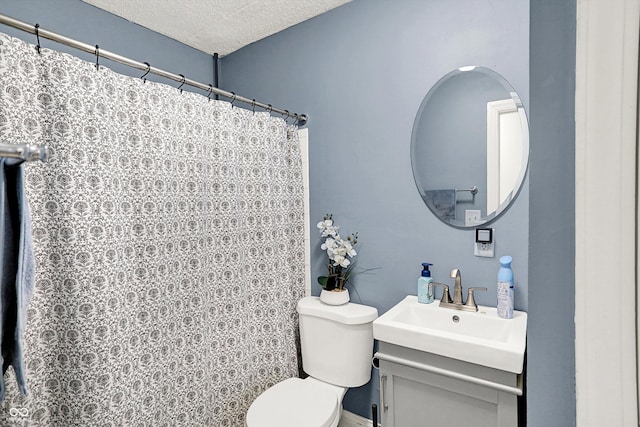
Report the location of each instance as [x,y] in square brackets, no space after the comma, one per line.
[168,234]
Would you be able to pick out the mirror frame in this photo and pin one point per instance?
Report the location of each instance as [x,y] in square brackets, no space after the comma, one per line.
[524,124]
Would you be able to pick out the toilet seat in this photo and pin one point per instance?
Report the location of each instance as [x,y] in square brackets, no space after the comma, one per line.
[296,402]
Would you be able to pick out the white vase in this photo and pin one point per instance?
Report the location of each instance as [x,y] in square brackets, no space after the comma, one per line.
[335,297]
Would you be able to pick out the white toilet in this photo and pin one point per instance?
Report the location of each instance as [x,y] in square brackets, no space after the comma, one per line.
[337,347]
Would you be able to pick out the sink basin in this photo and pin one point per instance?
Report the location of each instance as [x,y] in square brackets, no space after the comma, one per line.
[482,337]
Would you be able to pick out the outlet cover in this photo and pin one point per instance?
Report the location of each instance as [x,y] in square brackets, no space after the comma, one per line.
[483,249]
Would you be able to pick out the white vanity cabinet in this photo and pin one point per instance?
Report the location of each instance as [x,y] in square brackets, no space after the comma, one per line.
[420,389]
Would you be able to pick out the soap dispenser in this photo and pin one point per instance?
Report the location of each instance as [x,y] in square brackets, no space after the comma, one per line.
[425,285]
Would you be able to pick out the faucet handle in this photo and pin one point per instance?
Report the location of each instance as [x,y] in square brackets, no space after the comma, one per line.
[471,302]
[445,292]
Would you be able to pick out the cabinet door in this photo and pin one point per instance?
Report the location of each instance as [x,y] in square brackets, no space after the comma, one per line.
[415,398]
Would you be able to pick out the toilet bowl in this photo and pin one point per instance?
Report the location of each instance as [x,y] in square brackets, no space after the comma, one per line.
[295,403]
[337,346]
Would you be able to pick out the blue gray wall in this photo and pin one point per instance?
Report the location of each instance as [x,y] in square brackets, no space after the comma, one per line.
[361,72]
[551,335]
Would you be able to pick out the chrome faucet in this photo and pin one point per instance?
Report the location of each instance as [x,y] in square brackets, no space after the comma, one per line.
[457,289]
[457,303]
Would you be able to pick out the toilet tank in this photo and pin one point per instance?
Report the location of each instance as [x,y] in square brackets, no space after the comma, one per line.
[336,341]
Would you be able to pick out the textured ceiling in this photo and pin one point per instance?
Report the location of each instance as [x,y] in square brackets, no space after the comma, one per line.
[217,26]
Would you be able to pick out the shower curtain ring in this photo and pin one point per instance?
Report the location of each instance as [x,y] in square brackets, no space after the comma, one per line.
[253,104]
[270,109]
[146,72]
[97,57]
[181,83]
[233,99]
[37,30]
[210,92]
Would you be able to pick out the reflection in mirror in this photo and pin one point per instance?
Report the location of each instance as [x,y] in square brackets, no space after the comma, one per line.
[470,146]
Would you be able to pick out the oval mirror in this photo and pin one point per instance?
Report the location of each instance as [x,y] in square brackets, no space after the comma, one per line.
[470,147]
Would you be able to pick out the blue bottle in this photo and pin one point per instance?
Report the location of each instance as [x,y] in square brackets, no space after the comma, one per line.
[505,288]
[425,285]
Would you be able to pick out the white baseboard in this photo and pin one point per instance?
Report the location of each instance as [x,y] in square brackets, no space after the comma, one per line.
[349,419]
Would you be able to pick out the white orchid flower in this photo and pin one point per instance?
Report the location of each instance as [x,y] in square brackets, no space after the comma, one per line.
[349,249]
[327,228]
[341,261]
[324,224]
[340,250]
[329,243]
[332,230]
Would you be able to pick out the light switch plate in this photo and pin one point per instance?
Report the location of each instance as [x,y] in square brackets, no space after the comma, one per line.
[472,217]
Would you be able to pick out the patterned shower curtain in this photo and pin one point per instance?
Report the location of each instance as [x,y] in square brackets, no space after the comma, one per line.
[168,235]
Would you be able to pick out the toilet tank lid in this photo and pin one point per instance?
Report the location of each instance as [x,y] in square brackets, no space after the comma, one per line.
[348,314]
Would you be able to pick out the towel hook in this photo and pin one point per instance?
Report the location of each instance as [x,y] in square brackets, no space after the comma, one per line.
[97,57]
[181,83]
[37,30]
[146,72]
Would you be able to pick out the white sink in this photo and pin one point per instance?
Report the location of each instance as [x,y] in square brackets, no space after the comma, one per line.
[482,337]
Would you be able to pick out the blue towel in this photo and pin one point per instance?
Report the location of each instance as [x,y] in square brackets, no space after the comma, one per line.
[18,269]
[442,203]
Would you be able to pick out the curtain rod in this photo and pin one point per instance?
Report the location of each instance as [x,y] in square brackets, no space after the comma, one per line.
[301,119]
